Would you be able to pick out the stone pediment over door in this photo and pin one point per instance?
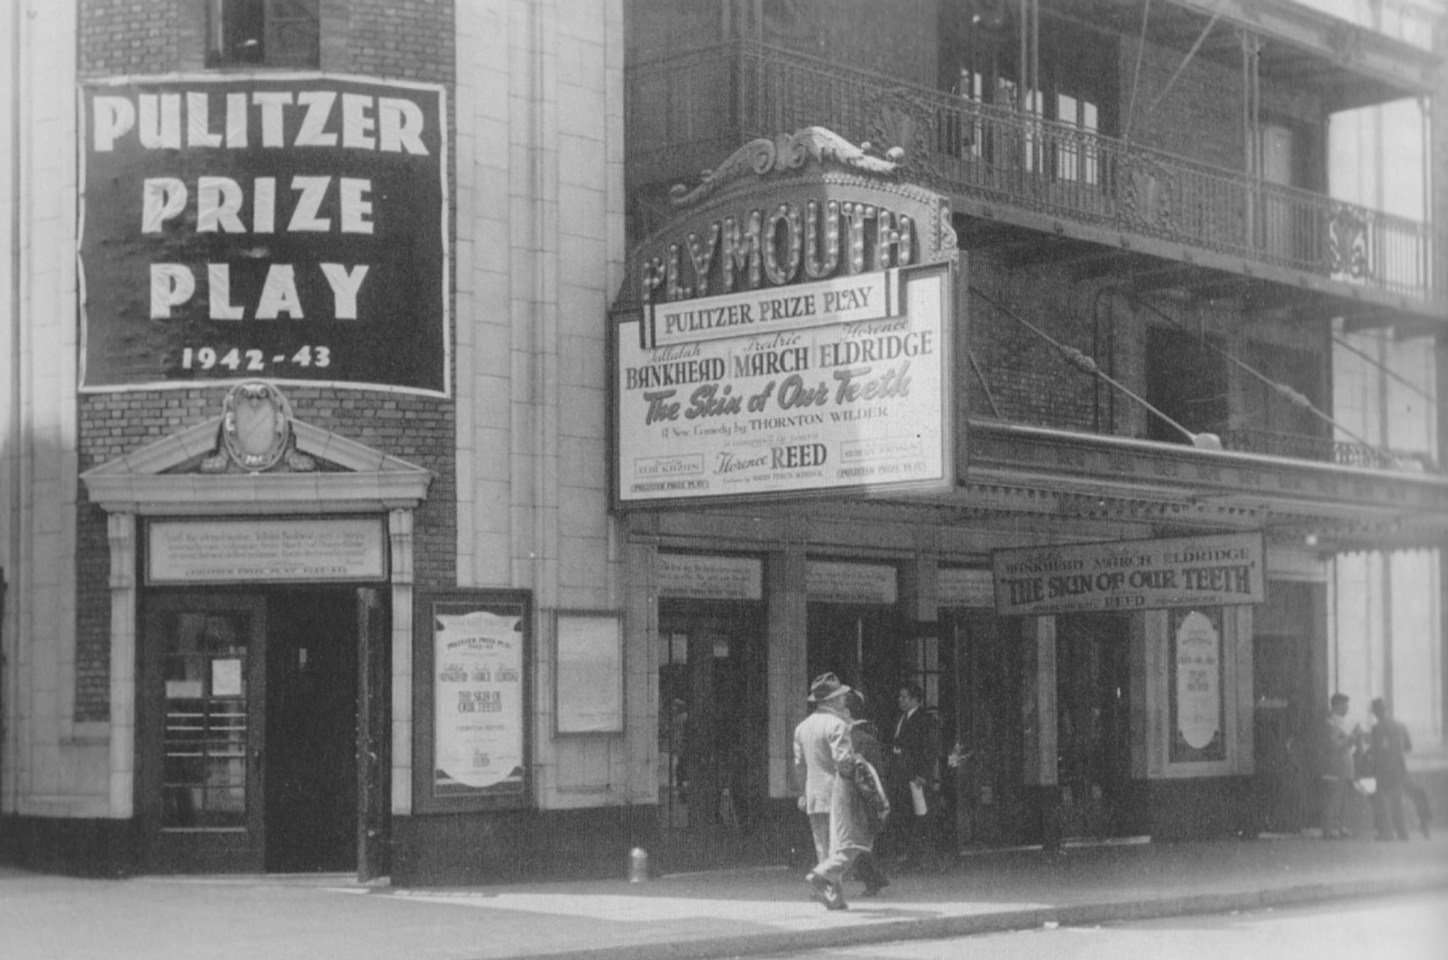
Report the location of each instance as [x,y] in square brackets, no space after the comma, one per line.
[253,460]
[193,471]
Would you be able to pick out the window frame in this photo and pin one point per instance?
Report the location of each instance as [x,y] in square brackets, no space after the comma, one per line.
[271,20]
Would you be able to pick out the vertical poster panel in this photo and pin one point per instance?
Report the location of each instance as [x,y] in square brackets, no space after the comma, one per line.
[1197,694]
[272,226]
[471,695]
[588,673]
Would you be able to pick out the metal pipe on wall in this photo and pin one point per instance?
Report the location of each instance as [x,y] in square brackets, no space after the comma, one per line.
[10,443]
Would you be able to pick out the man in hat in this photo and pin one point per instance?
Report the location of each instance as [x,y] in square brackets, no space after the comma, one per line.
[824,759]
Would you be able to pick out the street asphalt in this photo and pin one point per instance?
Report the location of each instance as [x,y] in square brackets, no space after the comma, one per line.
[716,914]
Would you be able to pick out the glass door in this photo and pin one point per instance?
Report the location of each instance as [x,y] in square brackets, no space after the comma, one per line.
[201,732]
[1093,706]
[713,775]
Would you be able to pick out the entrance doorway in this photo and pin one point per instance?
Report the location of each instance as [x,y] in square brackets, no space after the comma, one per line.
[311,727]
[994,808]
[1283,732]
[713,716]
[858,643]
[1093,733]
[248,733]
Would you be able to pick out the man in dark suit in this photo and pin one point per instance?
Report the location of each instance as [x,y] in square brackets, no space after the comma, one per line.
[914,750]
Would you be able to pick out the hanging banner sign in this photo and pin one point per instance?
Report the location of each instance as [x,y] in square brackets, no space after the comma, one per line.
[1123,575]
[291,228]
[795,333]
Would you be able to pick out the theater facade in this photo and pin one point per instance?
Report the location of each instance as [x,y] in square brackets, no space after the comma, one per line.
[416,465]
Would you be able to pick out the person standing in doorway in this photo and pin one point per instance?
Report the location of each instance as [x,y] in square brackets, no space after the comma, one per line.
[1388,744]
[914,750]
[824,759]
[1337,771]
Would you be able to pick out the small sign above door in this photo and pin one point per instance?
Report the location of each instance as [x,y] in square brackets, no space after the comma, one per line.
[259,551]
[1124,575]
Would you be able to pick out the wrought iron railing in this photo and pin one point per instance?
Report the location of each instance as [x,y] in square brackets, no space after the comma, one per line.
[688,112]
[1324,450]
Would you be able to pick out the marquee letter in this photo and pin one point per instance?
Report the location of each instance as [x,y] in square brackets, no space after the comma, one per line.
[171,285]
[161,121]
[198,122]
[218,281]
[217,201]
[304,216]
[355,210]
[399,125]
[279,293]
[344,288]
[161,199]
[114,116]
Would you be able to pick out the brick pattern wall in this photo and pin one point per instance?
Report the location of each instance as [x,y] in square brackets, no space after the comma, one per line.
[409,39]
[1028,377]
[122,37]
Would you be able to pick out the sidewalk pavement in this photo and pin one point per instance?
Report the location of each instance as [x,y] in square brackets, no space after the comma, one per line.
[716,914]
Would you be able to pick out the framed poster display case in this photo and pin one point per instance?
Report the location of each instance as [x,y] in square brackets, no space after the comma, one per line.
[471,700]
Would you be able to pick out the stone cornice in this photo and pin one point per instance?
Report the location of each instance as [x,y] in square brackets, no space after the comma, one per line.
[369,480]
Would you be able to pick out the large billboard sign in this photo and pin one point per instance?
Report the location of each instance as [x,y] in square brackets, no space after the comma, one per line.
[795,336]
[291,228]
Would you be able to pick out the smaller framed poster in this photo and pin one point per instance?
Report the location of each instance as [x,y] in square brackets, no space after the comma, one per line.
[1197,695]
[471,650]
[588,673]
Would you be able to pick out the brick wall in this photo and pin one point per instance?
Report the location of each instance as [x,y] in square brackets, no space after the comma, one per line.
[1027,376]
[409,39]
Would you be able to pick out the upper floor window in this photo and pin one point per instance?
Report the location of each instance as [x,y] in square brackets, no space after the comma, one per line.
[271,33]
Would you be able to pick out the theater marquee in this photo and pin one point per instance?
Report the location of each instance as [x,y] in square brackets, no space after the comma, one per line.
[795,337]
[283,227]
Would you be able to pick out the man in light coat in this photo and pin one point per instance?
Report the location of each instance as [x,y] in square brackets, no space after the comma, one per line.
[824,760]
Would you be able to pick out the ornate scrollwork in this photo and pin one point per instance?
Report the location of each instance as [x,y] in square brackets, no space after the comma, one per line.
[906,125]
[785,153]
[1146,190]
[1347,243]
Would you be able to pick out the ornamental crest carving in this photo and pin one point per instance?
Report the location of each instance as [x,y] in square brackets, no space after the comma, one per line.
[256,425]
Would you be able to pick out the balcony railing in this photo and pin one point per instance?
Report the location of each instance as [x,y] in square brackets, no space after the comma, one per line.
[1325,450]
[687,113]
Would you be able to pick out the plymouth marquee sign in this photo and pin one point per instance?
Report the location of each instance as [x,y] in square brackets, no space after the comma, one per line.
[291,228]
[795,334]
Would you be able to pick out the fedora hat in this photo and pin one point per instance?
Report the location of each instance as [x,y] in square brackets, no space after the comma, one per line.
[826,686]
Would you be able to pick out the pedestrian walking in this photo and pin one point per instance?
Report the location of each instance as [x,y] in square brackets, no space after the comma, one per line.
[824,759]
[870,760]
[914,753]
[1388,744]
[1338,771]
